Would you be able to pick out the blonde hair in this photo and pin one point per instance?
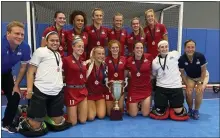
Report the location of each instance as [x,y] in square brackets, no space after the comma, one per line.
[118,14]
[14,24]
[141,30]
[91,61]
[146,12]
[97,9]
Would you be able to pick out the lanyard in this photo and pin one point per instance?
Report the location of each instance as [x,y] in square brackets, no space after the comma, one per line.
[115,66]
[164,65]
[97,75]
[152,34]
[139,67]
[98,35]
[57,58]
[78,64]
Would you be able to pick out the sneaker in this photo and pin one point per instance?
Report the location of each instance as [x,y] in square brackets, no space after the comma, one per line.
[196,114]
[9,129]
[190,112]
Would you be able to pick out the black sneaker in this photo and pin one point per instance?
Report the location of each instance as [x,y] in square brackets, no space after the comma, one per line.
[9,129]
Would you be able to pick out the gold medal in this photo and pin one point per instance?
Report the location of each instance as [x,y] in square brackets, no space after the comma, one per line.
[138,74]
[116,74]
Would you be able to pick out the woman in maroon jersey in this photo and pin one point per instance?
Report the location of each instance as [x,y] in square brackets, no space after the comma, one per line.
[97,34]
[116,68]
[95,83]
[136,35]
[139,86]
[75,92]
[118,33]
[155,32]
[78,20]
[59,22]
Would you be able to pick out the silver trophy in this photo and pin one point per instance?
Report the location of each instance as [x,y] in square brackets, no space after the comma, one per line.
[116,88]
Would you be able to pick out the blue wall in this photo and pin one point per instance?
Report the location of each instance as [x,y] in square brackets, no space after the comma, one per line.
[207,43]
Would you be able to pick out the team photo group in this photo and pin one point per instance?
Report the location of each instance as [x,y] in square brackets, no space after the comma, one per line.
[95,71]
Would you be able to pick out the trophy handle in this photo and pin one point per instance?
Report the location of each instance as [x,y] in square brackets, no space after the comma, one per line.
[126,83]
[106,83]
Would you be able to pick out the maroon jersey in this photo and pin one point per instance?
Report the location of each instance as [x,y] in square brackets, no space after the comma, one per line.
[95,83]
[131,39]
[70,34]
[120,36]
[62,38]
[139,86]
[75,74]
[96,37]
[153,37]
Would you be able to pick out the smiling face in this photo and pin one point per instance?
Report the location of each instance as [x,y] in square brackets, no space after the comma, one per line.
[53,42]
[78,48]
[98,17]
[150,18]
[16,35]
[135,24]
[190,48]
[118,21]
[138,49]
[163,49]
[99,54]
[60,19]
[78,22]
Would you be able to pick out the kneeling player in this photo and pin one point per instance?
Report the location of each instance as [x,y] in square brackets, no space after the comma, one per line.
[169,97]
[44,87]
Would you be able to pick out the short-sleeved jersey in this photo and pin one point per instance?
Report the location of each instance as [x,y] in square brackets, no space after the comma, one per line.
[62,38]
[96,75]
[96,37]
[142,84]
[193,70]
[120,36]
[160,30]
[131,39]
[70,34]
[74,74]
[169,77]
[10,58]
[115,66]
[48,78]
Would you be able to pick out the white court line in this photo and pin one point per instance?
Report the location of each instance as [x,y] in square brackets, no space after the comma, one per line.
[193,99]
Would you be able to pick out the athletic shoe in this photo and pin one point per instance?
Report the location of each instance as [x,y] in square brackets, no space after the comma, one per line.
[196,114]
[190,112]
[9,129]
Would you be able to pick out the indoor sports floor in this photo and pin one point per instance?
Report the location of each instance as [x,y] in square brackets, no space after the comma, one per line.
[206,126]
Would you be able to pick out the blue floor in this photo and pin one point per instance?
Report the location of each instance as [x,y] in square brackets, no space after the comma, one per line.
[206,126]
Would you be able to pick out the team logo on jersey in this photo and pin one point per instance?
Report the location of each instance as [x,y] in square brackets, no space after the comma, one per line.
[84,63]
[186,63]
[84,37]
[198,62]
[62,34]
[7,52]
[72,34]
[122,34]
[131,38]
[120,62]
[109,61]
[171,58]
[19,53]
[113,32]
[73,61]
[93,31]
[145,60]
[133,62]
[142,38]
[103,32]
[157,30]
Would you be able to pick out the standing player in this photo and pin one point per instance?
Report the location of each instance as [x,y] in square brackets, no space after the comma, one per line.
[137,35]
[59,22]
[169,93]
[194,65]
[13,50]
[78,20]
[139,88]
[116,68]
[44,85]
[155,32]
[96,74]
[75,92]
[118,33]
[97,34]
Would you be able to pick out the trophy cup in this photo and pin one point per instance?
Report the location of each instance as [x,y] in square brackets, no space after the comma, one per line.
[117,89]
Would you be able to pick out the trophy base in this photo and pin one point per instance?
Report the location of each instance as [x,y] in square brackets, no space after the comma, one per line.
[116,115]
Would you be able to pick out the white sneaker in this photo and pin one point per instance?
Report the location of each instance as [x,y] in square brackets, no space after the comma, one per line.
[9,129]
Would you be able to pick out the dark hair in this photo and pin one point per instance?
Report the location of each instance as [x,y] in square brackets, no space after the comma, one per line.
[136,43]
[49,34]
[56,13]
[74,14]
[187,41]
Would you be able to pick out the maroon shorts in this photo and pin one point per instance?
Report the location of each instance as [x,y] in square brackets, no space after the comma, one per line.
[72,96]
[96,97]
[137,97]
